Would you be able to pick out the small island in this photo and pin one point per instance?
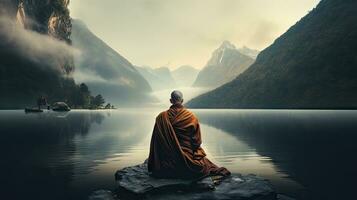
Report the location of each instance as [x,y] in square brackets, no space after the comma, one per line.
[82,99]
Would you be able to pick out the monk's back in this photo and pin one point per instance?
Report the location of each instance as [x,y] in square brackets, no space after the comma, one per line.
[175,148]
[186,127]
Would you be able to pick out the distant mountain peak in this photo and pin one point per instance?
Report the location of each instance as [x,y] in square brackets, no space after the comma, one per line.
[185,67]
[159,78]
[226,63]
[225,52]
[162,69]
[227,45]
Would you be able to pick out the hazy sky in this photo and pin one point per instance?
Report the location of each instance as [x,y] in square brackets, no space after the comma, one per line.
[179,32]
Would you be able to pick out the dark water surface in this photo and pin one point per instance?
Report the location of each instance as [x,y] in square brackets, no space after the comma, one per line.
[305,154]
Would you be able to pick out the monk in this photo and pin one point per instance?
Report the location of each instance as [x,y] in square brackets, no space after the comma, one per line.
[175,148]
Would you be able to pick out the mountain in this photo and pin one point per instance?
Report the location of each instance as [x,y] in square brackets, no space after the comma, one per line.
[105,71]
[225,64]
[312,65]
[35,52]
[249,52]
[158,78]
[185,75]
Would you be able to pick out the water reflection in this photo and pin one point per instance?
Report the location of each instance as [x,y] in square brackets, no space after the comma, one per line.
[315,148]
[68,155]
[230,151]
[37,151]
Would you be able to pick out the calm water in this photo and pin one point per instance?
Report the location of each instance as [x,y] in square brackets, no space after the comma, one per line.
[306,154]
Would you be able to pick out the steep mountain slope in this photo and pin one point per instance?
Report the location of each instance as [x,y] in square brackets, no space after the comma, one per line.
[104,70]
[249,52]
[312,65]
[158,78]
[225,64]
[185,75]
[35,53]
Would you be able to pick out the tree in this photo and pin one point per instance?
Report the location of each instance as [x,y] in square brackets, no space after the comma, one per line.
[84,88]
[85,95]
[98,101]
[108,106]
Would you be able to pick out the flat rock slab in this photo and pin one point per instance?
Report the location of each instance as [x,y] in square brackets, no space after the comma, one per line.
[102,195]
[136,180]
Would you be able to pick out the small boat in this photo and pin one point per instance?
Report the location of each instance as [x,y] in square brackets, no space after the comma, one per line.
[33,110]
[60,106]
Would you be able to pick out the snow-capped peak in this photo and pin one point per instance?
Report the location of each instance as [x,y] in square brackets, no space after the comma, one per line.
[227,45]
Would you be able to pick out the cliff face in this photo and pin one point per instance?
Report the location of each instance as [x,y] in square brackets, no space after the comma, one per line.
[50,17]
[35,51]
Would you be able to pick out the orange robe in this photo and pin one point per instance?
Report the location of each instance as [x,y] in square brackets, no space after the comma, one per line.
[175,148]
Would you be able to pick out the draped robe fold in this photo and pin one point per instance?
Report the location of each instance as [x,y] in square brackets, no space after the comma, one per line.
[175,148]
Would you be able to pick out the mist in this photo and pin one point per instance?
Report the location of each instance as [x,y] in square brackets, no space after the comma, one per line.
[47,52]
[189,93]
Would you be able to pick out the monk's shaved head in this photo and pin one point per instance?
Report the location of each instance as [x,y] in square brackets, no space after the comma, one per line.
[176,97]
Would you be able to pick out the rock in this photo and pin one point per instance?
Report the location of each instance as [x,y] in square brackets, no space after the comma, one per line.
[284,197]
[60,106]
[102,195]
[136,180]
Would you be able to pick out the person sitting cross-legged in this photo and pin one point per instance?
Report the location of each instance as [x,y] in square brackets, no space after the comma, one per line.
[175,148]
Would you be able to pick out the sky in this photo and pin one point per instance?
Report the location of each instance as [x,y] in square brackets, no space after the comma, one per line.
[185,32]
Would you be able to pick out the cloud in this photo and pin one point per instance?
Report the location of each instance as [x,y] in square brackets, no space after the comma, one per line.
[264,32]
[42,49]
[90,76]
[82,75]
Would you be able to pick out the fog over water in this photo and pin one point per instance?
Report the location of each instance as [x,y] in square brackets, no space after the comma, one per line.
[163,96]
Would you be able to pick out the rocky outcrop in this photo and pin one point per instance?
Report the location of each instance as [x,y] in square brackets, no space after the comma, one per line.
[37,58]
[102,195]
[137,181]
[48,17]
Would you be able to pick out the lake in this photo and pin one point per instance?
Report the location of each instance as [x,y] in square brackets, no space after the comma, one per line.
[307,154]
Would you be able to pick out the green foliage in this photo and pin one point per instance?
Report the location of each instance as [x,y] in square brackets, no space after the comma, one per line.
[82,98]
[98,101]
